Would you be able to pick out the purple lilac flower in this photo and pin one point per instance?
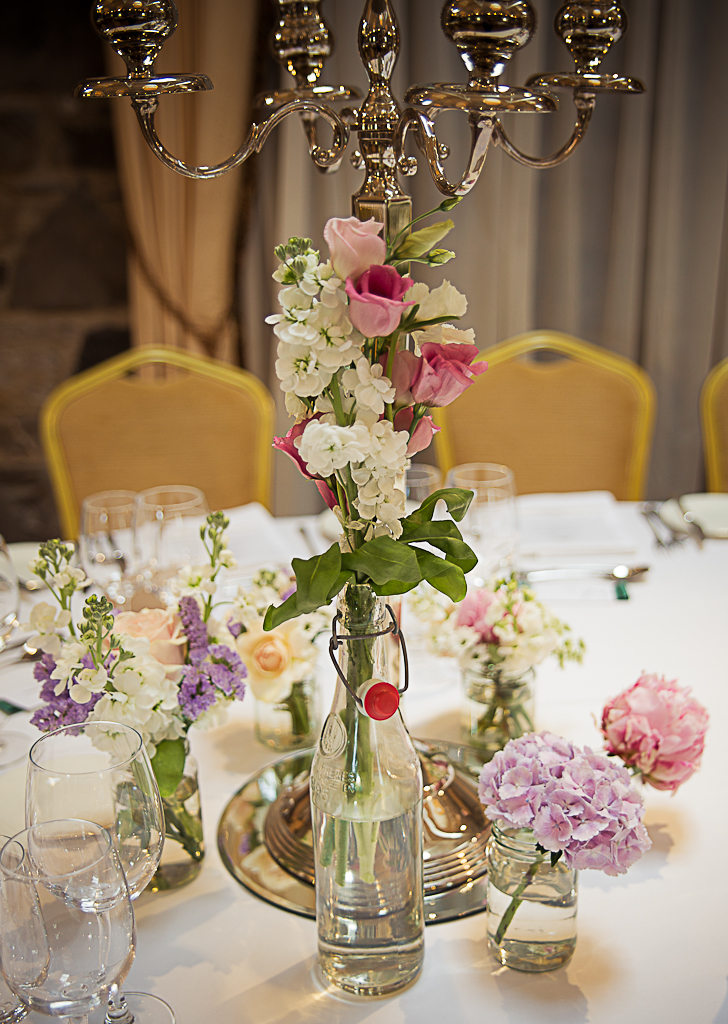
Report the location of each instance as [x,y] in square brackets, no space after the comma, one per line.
[204,681]
[58,710]
[197,693]
[573,800]
[194,628]
[234,628]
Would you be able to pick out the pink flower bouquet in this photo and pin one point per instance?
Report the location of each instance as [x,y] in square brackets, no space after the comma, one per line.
[658,729]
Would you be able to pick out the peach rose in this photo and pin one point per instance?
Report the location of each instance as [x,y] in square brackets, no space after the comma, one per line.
[275,660]
[162,628]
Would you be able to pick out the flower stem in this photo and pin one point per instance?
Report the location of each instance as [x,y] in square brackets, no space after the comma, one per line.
[528,877]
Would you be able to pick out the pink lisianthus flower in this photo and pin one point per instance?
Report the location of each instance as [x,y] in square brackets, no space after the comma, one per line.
[657,728]
[287,444]
[423,433]
[354,245]
[326,493]
[376,300]
[438,376]
[471,612]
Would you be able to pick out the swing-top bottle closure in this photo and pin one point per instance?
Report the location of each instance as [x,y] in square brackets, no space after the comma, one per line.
[376,698]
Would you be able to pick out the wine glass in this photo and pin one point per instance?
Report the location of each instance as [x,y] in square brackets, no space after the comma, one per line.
[101,770]
[11,1009]
[107,543]
[421,480]
[9,595]
[491,518]
[167,532]
[68,926]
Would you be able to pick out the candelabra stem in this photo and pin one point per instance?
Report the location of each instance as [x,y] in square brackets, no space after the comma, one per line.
[584,104]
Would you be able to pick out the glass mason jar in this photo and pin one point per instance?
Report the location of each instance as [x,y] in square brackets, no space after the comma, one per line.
[184,847]
[497,707]
[366,801]
[531,922]
[291,723]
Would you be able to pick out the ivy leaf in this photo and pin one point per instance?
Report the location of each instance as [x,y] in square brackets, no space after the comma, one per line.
[443,534]
[168,765]
[457,500]
[384,560]
[449,579]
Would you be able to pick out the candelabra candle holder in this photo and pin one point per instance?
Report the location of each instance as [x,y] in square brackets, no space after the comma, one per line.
[486,34]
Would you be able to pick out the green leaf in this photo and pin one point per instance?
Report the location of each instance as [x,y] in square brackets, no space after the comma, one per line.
[456,498]
[318,579]
[420,242]
[449,579]
[555,854]
[442,534]
[168,765]
[384,560]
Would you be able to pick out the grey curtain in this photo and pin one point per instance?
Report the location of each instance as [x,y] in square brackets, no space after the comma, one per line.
[625,245]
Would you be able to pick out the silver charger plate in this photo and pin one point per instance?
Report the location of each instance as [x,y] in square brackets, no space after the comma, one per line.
[268,814]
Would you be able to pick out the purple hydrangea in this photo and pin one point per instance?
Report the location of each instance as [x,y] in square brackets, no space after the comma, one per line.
[59,710]
[573,800]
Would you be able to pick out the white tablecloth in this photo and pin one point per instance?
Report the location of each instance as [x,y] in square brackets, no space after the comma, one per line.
[653,944]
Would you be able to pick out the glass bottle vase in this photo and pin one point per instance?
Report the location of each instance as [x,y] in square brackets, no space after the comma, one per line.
[184,846]
[497,707]
[531,920]
[366,801]
[288,724]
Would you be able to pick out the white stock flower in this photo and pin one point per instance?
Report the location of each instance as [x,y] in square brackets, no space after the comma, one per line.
[191,580]
[445,300]
[298,370]
[68,660]
[47,618]
[445,334]
[325,447]
[86,683]
[388,448]
[295,407]
[370,387]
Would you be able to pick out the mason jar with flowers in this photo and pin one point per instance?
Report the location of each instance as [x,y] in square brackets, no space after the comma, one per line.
[159,671]
[499,633]
[281,662]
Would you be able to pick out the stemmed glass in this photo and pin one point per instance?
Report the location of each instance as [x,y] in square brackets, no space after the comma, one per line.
[11,1009]
[68,926]
[9,595]
[107,543]
[101,771]
[167,532]
[491,518]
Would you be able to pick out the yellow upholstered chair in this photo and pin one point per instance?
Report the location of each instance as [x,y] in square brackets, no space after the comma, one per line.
[182,420]
[714,418]
[582,421]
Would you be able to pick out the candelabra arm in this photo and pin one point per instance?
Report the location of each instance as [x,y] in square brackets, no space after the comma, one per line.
[584,104]
[481,129]
[145,110]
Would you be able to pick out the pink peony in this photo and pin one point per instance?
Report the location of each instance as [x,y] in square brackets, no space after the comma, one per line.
[163,629]
[471,612]
[656,727]
[438,376]
[423,432]
[375,301]
[573,801]
[354,245]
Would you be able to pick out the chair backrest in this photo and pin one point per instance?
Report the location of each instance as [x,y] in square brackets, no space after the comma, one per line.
[582,421]
[714,418]
[203,423]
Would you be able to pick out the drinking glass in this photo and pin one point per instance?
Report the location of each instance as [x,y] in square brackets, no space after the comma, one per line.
[421,480]
[101,770]
[491,518]
[167,532]
[9,595]
[68,926]
[11,1009]
[107,543]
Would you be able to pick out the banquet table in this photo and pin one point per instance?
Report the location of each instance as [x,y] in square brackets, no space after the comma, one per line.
[652,944]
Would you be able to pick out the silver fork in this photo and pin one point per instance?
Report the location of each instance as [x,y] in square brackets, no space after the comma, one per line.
[665,537]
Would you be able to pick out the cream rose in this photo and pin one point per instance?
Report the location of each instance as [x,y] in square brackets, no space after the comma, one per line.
[275,660]
[162,628]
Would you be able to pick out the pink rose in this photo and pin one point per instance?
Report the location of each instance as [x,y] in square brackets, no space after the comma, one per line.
[286,444]
[354,245]
[443,373]
[422,434]
[162,628]
[375,301]
[471,612]
[656,727]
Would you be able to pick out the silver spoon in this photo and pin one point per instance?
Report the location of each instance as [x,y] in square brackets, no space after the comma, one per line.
[617,574]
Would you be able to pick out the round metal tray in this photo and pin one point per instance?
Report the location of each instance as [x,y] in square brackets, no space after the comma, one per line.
[265,841]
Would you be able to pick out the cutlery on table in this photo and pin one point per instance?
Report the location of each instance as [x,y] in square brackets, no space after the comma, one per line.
[616,574]
[665,536]
[692,526]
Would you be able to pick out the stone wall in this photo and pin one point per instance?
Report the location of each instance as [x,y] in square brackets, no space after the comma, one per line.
[62,248]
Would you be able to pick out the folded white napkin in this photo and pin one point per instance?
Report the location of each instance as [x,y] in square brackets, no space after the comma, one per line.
[583,524]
